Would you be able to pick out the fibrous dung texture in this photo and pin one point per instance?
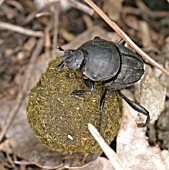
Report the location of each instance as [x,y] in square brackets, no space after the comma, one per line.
[60,119]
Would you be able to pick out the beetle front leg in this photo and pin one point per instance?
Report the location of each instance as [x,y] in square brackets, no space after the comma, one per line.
[89,83]
[59,66]
[138,108]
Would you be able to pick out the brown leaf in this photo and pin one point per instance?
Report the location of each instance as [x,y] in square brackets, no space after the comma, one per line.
[151,94]
[132,146]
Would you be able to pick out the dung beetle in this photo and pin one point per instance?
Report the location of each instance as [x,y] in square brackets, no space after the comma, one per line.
[113,64]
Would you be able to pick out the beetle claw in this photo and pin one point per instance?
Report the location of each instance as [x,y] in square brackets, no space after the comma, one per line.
[146,123]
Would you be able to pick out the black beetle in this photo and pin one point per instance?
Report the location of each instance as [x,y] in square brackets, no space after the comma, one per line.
[113,64]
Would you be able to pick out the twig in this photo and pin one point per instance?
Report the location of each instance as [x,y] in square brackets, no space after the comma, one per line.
[106,148]
[125,36]
[22,93]
[17,5]
[55,28]
[21,30]
[81,7]
[1,1]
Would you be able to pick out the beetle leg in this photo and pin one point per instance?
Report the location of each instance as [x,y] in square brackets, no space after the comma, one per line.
[122,42]
[138,108]
[102,101]
[89,83]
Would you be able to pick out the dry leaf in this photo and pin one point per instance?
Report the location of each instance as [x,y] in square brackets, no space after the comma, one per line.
[151,94]
[132,146]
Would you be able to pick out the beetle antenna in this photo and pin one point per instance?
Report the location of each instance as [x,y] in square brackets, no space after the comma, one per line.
[59,66]
[60,48]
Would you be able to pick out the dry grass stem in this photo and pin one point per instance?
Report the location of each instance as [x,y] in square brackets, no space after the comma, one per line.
[21,30]
[81,6]
[106,148]
[55,27]
[1,1]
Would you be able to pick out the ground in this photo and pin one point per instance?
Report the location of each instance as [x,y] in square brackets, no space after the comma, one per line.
[29,36]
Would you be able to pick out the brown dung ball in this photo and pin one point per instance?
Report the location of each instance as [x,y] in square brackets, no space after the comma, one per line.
[60,119]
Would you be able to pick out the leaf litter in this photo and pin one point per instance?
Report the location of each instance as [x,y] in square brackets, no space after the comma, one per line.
[132,147]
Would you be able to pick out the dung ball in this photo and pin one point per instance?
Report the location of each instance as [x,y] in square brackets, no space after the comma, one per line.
[60,119]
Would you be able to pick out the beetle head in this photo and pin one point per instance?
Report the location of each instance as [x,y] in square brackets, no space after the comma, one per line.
[73,58]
